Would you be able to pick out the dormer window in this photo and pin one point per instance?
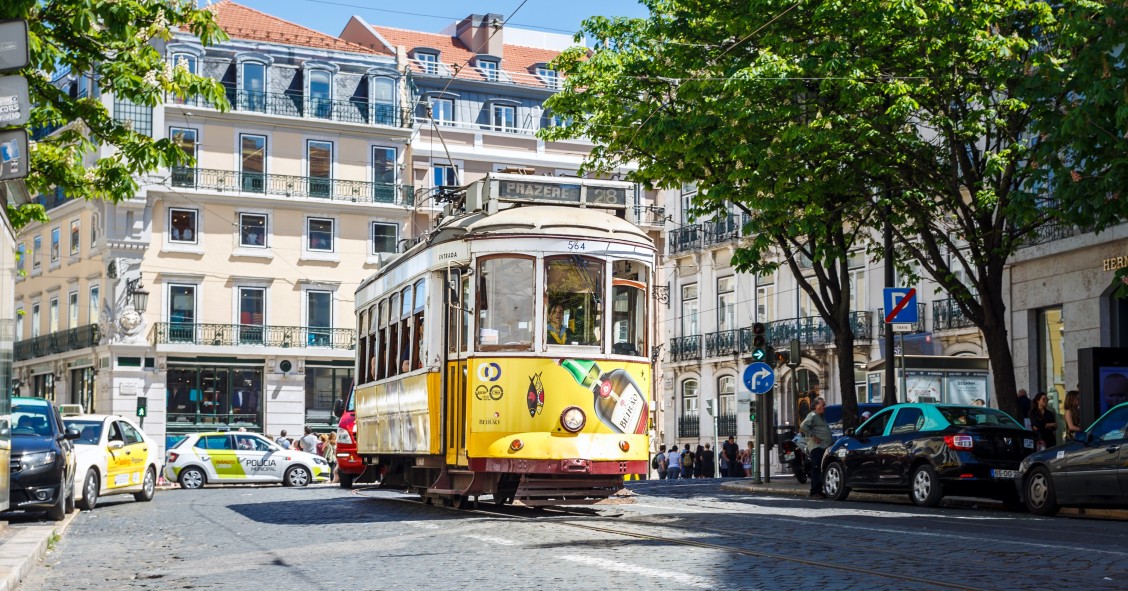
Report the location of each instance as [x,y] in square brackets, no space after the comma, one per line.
[428,62]
[549,76]
[320,93]
[186,61]
[489,69]
[254,87]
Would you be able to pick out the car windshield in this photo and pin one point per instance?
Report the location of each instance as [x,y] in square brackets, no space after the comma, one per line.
[31,419]
[89,432]
[964,416]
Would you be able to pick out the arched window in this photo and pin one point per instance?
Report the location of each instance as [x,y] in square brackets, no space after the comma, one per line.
[689,397]
[726,393]
[320,93]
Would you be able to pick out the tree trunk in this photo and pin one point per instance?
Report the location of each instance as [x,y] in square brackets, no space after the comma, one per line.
[1002,361]
[844,342]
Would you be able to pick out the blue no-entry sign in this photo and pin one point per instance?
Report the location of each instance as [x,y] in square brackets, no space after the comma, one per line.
[900,305]
[759,378]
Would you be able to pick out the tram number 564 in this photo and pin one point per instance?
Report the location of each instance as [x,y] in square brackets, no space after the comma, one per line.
[574,245]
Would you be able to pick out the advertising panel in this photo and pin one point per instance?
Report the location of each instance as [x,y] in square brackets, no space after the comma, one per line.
[967,388]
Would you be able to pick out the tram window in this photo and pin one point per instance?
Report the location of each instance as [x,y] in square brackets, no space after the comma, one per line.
[418,351]
[459,326]
[391,334]
[628,308]
[362,344]
[574,294]
[382,348]
[505,303]
[405,359]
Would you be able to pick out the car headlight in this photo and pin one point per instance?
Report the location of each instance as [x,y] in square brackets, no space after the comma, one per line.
[343,436]
[1024,464]
[317,460]
[37,459]
[573,419]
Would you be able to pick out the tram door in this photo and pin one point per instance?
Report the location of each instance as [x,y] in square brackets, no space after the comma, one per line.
[458,327]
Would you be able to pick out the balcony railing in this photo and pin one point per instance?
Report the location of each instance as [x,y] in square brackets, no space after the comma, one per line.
[723,342]
[466,72]
[57,342]
[650,215]
[724,230]
[726,426]
[947,315]
[685,239]
[355,110]
[530,126]
[685,348]
[813,331]
[918,326]
[240,335]
[292,186]
[689,425]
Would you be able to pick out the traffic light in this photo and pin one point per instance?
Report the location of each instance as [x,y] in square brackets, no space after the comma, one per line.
[142,406]
[759,342]
[781,358]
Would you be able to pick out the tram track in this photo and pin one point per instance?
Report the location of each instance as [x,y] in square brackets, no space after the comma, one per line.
[558,513]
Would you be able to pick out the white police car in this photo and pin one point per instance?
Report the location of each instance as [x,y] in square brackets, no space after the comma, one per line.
[237,458]
[113,456]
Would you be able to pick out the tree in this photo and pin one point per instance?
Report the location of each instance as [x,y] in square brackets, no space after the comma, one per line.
[115,44]
[936,105]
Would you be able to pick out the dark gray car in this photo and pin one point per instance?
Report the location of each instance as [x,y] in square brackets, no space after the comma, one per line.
[1087,472]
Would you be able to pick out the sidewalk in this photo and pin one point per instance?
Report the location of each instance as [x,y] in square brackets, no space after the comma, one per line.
[22,546]
[785,484]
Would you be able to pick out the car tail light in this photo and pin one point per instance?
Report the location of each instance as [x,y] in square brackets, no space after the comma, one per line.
[1040,445]
[958,441]
[172,456]
[516,445]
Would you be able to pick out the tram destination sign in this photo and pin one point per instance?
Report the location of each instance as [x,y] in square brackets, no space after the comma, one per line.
[562,193]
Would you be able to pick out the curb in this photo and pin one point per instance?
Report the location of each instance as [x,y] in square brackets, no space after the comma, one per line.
[898,499]
[26,546]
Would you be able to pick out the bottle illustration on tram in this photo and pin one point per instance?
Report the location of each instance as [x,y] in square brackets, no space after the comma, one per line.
[619,402]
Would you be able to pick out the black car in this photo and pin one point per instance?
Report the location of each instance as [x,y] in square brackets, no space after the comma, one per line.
[1090,471]
[929,450]
[42,461]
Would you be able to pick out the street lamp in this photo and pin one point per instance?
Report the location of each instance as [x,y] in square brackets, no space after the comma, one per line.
[136,294]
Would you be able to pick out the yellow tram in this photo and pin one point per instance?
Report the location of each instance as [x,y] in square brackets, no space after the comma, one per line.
[507,353]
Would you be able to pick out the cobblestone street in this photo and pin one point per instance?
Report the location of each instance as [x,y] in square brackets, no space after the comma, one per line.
[677,535]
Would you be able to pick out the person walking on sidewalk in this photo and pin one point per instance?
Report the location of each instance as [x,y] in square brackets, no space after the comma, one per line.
[730,458]
[659,463]
[687,462]
[707,462]
[817,432]
[673,463]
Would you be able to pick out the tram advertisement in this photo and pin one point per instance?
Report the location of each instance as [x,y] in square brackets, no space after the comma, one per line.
[512,395]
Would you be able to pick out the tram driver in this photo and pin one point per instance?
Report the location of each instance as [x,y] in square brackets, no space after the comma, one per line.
[557,329]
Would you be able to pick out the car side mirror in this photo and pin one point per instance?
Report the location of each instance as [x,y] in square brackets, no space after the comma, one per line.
[116,444]
[338,407]
[849,432]
[1081,437]
[71,433]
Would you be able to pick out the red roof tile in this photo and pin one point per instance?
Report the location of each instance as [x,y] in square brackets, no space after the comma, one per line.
[516,58]
[241,22]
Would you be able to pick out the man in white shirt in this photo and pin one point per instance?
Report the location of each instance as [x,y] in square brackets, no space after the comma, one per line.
[308,441]
[673,459]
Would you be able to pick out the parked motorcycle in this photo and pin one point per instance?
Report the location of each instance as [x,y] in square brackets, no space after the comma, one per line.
[793,453]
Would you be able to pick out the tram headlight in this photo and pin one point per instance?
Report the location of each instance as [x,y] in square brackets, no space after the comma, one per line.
[573,419]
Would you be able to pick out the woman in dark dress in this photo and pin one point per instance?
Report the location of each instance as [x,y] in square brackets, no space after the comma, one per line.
[699,462]
[1043,420]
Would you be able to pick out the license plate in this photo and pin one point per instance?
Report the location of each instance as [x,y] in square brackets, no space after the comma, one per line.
[1004,473]
[787,457]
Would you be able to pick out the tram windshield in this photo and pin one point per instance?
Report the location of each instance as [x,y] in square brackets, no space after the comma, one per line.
[574,300]
[505,303]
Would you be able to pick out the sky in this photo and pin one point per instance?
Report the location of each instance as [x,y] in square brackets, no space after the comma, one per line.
[553,16]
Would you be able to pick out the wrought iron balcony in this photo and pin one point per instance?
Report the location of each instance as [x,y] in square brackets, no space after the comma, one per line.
[355,110]
[292,186]
[57,342]
[650,215]
[918,326]
[813,331]
[726,426]
[947,315]
[685,348]
[240,335]
[689,425]
[685,239]
[724,342]
[724,230]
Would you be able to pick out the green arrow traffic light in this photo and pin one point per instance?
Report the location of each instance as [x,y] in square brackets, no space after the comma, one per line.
[759,354]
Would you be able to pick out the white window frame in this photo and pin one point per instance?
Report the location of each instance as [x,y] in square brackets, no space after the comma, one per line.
[20,324]
[501,126]
[195,240]
[94,314]
[372,237]
[690,403]
[726,395]
[449,170]
[318,254]
[36,319]
[435,100]
[731,293]
[428,62]
[550,77]
[36,250]
[178,282]
[72,310]
[75,248]
[695,298]
[56,246]
[489,69]
[765,300]
[265,230]
[53,315]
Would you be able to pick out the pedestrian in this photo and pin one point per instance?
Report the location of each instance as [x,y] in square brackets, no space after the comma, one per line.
[283,441]
[1072,414]
[321,441]
[659,462]
[687,462]
[330,455]
[748,460]
[699,462]
[708,465]
[673,463]
[1023,407]
[1043,420]
[308,441]
[730,458]
[817,432]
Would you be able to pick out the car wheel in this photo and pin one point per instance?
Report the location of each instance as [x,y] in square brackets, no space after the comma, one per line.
[148,486]
[192,477]
[834,482]
[1041,498]
[346,480]
[296,476]
[927,489]
[90,486]
[58,511]
[68,502]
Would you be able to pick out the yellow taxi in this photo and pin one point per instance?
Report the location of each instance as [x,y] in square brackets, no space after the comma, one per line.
[113,456]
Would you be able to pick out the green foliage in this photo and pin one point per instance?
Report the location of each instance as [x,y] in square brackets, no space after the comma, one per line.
[117,43]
